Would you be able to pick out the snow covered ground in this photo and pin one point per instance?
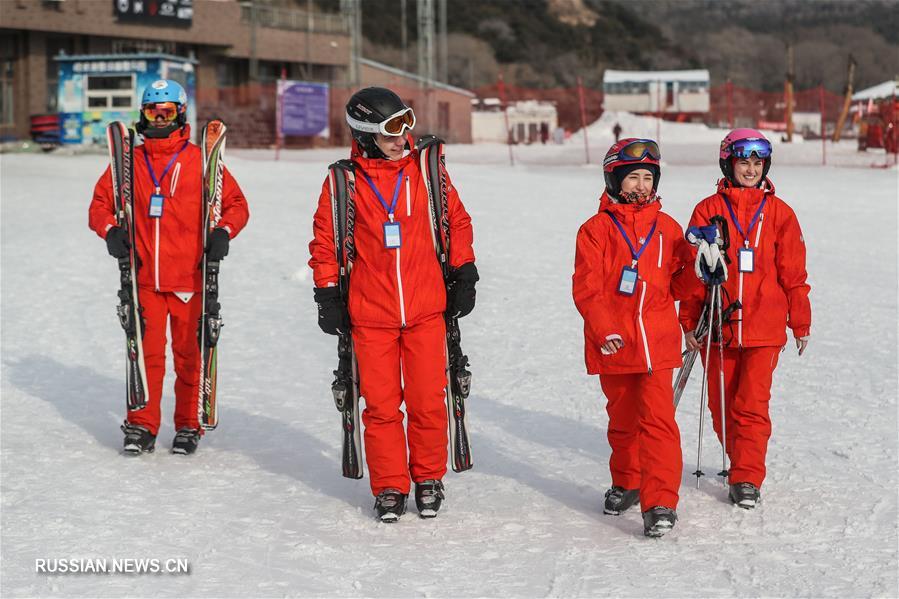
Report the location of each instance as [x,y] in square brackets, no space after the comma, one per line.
[262,510]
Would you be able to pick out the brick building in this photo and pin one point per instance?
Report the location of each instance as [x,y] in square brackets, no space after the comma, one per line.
[240,48]
[227,38]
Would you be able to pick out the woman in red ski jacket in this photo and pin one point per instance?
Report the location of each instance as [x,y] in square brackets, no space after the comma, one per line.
[397,299]
[629,269]
[767,275]
[169,246]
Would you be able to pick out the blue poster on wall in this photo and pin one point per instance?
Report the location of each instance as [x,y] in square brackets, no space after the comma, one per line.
[70,123]
[303,107]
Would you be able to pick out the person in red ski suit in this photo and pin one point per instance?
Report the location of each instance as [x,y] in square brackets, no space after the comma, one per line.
[767,275]
[396,304]
[169,247]
[630,267]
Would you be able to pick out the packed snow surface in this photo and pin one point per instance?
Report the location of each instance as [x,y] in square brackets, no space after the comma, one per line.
[261,509]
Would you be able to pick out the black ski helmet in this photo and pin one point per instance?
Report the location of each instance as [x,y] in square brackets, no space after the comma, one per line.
[372,105]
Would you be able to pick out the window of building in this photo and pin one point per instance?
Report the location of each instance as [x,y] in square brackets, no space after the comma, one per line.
[7,64]
[443,117]
[56,46]
[110,91]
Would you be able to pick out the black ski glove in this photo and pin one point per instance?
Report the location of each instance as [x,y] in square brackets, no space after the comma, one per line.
[333,317]
[217,245]
[461,294]
[117,243]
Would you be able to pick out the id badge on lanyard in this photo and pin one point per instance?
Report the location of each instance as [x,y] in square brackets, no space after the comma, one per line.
[746,259]
[628,281]
[392,238]
[157,200]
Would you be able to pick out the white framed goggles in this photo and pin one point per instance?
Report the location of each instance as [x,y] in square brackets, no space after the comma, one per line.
[393,126]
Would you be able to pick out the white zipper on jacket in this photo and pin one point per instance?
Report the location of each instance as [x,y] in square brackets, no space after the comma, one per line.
[172,187]
[399,284]
[661,245]
[758,234]
[156,256]
[408,198]
[643,329]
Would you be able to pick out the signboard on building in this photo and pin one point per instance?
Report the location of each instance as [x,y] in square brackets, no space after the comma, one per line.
[303,108]
[178,13]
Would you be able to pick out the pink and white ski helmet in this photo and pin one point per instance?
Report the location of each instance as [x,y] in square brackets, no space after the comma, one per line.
[743,143]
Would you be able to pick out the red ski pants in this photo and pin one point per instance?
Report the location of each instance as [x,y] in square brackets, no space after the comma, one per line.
[645,440]
[160,308]
[747,383]
[395,366]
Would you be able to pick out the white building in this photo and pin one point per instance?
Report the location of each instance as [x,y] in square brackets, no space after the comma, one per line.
[529,121]
[669,92]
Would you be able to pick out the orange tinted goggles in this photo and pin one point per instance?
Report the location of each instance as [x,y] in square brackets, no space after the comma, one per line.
[640,149]
[397,124]
[167,111]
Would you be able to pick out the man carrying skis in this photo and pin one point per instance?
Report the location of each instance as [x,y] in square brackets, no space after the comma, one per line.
[766,274]
[168,212]
[396,302]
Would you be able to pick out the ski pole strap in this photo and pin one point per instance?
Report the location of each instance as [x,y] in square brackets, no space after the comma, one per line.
[396,192]
[635,253]
[755,217]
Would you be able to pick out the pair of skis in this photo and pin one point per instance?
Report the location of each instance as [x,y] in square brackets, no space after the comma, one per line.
[433,165]
[345,387]
[121,160]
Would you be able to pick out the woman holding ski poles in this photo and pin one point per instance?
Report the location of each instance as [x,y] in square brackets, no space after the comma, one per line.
[768,278]
[630,266]
[396,299]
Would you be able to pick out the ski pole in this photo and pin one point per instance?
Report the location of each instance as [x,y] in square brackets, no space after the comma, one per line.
[704,388]
[724,472]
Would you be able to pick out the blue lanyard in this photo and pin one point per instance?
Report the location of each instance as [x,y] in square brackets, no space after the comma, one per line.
[167,167]
[396,193]
[754,220]
[635,253]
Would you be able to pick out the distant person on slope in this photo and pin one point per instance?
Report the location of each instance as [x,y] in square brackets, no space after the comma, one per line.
[616,131]
[631,264]
[168,209]
[397,299]
[768,277]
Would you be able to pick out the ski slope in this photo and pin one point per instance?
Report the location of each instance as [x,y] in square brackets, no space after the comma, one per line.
[261,509]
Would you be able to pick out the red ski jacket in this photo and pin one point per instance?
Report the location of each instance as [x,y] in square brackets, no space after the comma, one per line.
[169,247]
[775,294]
[391,287]
[647,320]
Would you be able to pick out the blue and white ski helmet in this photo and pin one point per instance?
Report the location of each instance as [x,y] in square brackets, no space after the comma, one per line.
[164,90]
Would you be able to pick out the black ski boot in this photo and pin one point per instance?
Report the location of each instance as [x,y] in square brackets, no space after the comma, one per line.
[619,499]
[658,520]
[390,505]
[186,441]
[428,497]
[745,495]
[138,440]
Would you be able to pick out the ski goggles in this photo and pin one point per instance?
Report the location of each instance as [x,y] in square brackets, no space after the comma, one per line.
[394,125]
[744,148]
[640,149]
[167,111]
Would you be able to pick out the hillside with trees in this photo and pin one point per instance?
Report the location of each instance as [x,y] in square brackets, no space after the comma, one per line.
[549,43]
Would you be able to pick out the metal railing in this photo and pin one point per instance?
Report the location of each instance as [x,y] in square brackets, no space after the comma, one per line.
[276,17]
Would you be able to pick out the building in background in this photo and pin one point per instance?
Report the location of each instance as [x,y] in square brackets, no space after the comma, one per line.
[95,90]
[234,46]
[234,52]
[676,95]
[530,121]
